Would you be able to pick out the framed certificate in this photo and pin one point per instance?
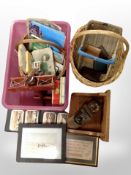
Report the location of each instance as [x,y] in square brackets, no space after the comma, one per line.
[82,149]
[41,143]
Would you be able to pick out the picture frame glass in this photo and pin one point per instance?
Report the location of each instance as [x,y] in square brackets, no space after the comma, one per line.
[41,143]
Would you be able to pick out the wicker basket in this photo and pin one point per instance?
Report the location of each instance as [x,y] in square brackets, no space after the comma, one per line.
[100,34]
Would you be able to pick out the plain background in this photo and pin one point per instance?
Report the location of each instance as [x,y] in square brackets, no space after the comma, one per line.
[115,156]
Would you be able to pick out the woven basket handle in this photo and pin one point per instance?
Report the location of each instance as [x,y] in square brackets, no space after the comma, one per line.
[25,41]
[107,33]
[98,59]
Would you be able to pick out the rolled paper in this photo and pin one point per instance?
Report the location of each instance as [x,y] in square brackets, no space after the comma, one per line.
[22,58]
[28,62]
[45,32]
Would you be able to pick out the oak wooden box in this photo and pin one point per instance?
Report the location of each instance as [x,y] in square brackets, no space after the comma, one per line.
[77,99]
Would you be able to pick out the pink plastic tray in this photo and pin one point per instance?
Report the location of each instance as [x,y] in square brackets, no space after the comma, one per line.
[25,100]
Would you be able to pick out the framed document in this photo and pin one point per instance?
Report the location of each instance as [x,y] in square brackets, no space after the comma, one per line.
[82,149]
[41,143]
